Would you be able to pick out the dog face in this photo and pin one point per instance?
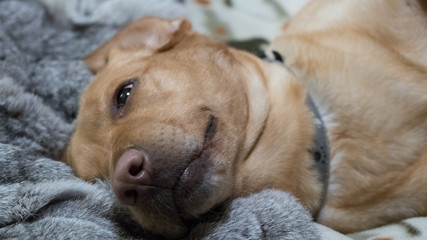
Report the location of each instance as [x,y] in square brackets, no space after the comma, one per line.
[169,120]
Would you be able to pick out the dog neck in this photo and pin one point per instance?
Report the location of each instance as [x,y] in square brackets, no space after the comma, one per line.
[282,157]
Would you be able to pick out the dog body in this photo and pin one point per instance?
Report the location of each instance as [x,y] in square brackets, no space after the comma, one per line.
[365,64]
[180,124]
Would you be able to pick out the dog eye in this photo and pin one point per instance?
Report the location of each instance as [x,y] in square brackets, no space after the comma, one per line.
[123,95]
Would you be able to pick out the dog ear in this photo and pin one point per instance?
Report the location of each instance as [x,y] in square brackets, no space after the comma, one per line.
[140,38]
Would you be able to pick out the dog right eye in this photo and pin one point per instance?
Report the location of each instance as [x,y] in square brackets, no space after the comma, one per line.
[123,95]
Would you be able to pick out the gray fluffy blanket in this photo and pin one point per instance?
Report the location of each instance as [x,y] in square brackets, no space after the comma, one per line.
[41,77]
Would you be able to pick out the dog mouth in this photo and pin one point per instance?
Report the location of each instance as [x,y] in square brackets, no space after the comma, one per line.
[191,187]
[194,172]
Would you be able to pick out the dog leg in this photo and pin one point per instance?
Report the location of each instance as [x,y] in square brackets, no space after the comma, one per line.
[399,195]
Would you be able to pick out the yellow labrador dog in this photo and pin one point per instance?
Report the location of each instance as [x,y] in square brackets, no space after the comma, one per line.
[180,124]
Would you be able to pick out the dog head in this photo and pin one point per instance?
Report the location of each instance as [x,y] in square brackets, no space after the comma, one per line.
[160,122]
[170,120]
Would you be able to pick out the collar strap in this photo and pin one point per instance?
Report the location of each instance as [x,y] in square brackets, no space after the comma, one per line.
[320,151]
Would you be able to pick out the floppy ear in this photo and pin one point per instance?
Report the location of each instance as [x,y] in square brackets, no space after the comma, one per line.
[140,38]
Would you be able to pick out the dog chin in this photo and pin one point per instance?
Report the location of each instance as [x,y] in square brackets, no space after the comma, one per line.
[202,186]
[193,188]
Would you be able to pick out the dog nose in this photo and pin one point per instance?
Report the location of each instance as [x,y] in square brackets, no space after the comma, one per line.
[131,178]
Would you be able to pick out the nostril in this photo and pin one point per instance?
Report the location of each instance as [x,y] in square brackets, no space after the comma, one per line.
[134,170]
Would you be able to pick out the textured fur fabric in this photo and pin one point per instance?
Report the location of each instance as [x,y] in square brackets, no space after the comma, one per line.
[42,44]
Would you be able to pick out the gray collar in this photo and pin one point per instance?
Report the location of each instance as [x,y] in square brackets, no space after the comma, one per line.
[320,152]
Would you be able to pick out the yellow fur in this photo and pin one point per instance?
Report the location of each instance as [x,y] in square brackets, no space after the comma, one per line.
[365,63]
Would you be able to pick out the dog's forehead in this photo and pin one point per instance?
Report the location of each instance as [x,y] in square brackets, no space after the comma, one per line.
[181,60]
[183,68]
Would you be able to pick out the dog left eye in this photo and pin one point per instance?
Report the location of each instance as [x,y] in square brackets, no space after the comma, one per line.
[123,95]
